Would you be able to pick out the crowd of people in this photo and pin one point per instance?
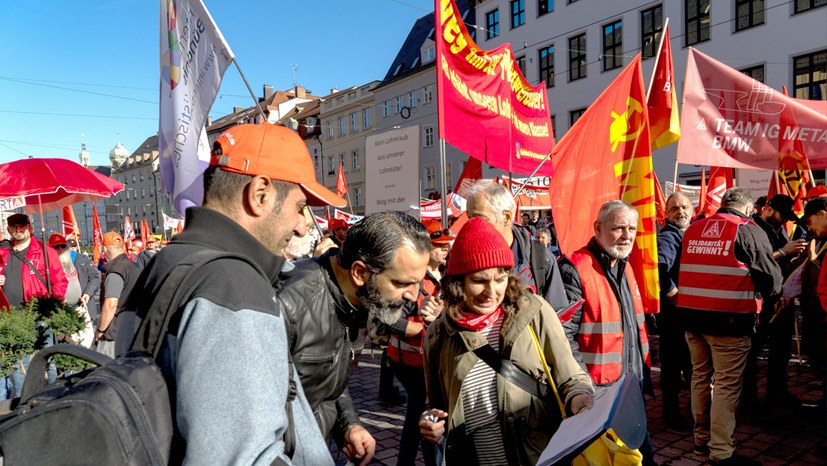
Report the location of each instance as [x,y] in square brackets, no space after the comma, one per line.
[485,329]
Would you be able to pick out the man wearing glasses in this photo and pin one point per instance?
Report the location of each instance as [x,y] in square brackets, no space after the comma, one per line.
[23,267]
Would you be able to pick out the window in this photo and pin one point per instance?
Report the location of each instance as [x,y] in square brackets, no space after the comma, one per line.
[492,24]
[521,63]
[554,125]
[366,118]
[315,160]
[810,76]
[412,99]
[755,72]
[577,57]
[651,29]
[804,5]
[428,94]
[386,108]
[448,179]
[330,170]
[428,55]
[143,193]
[696,13]
[342,162]
[575,115]
[544,6]
[748,13]
[341,122]
[354,122]
[547,65]
[430,177]
[329,126]
[428,136]
[354,160]
[399,104]
[357,196]
[613,45]
[517,13]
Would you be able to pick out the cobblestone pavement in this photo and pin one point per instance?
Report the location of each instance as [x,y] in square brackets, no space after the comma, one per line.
[773,435]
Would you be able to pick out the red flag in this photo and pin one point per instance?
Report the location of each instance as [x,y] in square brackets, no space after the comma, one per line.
[341,183]
[664,123]
[144,231]
[486,108]
[607,155]
[731,120]
[70,224]
[97,236]
[471,173]
[792,161]
[128,232]
[180,226]
[660,201]
[720,179]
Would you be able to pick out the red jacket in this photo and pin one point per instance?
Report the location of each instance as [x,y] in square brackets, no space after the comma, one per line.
[32,286]
[821,289]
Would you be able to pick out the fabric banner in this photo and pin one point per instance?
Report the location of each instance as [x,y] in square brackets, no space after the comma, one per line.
[170,223]
[70,224]
[732,120]
[720,179]
[664,123]
[349,218]
[471,173]
[607,155]
[194,57]
[532,197]
[433,209]
[97,236]
[487,109]
[128,232]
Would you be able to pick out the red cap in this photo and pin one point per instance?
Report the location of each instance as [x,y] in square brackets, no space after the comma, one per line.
[112,238]
[336,223]
[439,234]
[272,151]
[478,247]
[56,240]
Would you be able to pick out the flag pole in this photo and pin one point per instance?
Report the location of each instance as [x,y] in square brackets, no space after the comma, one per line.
[443,204]
[250,89]
[315,222]
[349,204]
[657,58]
[522,186]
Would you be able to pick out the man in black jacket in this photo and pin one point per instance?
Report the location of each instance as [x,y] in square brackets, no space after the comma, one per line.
[89,278]
[327,301]
[493,202]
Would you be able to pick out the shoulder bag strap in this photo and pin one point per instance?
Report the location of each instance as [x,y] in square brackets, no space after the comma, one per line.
[548,372]
[26,261]
[510,372]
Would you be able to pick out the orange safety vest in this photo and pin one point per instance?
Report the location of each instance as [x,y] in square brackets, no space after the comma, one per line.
[711,277]
[408,350]
[601,327]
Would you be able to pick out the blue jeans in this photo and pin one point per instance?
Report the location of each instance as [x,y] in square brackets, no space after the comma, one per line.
[12,385]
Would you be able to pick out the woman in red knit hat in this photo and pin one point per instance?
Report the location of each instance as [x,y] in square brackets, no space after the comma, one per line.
[487,419]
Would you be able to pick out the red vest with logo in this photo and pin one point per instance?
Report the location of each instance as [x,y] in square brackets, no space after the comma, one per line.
[711,277]
[601,326]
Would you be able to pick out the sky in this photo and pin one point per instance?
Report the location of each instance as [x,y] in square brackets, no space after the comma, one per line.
[89,69]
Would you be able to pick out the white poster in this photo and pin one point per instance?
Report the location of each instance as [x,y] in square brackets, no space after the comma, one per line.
[756,181]
[392,171]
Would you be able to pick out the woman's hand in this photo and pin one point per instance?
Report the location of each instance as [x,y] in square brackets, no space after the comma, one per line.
[430,308]
[432,425]
[581,402]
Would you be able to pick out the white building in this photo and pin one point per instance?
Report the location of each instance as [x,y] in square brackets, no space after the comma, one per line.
[579,47]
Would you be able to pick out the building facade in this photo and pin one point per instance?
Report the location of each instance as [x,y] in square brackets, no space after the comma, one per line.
[579,47]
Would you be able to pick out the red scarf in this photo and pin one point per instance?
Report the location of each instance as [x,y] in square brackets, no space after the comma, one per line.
[477,322]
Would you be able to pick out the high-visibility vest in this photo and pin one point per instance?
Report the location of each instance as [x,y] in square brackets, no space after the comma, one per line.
[408,350]
[601,327]
[711,277]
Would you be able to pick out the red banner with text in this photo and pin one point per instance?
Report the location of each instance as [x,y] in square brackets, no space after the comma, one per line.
[487,109]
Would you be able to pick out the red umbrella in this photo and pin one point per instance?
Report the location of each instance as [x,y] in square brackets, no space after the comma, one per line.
[51,184]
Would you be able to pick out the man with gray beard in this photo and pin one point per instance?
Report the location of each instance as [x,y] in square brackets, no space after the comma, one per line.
[327,301]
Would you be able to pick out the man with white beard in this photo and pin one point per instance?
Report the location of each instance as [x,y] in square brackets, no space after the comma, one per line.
[608,333]
[327,301]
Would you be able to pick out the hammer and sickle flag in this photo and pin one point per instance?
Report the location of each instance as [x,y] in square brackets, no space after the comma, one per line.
[607,155]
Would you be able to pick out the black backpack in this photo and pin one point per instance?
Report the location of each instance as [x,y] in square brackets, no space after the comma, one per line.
[118,413]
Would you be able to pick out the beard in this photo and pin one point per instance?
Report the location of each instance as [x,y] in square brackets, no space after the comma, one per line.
[617,253]
[681,222]
[384,310]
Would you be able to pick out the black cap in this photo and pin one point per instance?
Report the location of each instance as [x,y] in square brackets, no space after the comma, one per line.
[761,201]
[814,206]
[784,204]
[19,219]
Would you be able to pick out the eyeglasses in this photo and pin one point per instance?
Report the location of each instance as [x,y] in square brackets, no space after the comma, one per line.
[59,246]
[441,233]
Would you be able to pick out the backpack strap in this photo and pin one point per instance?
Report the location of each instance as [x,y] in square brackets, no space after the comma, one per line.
[510,372]
[29,264]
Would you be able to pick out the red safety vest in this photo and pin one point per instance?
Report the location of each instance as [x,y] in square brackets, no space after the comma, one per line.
[601,327]
[711,277]
[408,350]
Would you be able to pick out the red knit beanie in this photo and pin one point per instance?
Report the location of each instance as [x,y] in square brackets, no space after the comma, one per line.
[478,247]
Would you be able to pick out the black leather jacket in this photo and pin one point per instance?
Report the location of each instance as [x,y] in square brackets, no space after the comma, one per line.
[326,334]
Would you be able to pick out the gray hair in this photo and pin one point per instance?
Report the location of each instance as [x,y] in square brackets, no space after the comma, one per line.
[496,194]
[611,207]
[674,195]
[375,239]
[737,198]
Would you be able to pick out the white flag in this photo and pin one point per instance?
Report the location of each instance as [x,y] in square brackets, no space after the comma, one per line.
[194,56]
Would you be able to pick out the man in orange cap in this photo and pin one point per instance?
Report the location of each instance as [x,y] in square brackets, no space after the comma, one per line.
[338,231]
[121,275]
[228,353]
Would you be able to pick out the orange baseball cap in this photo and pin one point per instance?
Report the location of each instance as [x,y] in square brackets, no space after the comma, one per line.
[336,223]
[438,233]
[273,151]
[112,238]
